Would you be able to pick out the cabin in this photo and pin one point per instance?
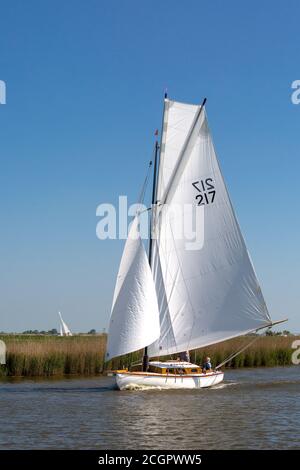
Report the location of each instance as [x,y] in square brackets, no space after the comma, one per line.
[174,367]
[170,367]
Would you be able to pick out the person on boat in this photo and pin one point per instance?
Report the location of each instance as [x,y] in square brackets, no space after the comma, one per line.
[206,365]
[184,356]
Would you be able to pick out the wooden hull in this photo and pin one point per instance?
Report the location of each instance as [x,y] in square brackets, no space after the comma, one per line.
[135,380]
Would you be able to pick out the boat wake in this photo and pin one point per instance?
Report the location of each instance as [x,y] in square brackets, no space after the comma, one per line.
[223,385]
[138,387]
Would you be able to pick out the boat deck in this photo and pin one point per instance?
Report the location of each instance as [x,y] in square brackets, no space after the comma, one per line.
[156,374]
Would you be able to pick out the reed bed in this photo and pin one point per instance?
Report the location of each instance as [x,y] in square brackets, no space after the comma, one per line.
[34,355]
[267,351]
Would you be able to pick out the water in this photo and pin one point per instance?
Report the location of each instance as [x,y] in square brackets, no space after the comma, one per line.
[252,409]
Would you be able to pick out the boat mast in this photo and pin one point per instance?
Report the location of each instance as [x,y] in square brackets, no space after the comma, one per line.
[153,202]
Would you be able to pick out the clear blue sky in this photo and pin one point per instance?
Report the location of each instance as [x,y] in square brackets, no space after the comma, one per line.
[85,81]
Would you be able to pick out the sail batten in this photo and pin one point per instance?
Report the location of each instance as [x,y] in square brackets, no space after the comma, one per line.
[207,291]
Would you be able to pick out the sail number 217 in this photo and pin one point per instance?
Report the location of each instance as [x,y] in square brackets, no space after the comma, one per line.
[206,191]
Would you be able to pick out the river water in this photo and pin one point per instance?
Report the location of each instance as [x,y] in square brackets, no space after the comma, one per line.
[252,409]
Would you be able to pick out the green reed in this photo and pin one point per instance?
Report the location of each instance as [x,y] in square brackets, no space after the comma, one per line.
[37,355]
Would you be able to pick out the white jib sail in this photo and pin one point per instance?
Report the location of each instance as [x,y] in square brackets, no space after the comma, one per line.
[134,321]
[207,289]
[64,329]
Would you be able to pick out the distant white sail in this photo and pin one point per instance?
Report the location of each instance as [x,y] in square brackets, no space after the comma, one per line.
[64,329]
[134,321]
[209,294]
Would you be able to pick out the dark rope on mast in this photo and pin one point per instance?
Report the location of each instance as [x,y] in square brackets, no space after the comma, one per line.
[145,184]
[154,191]
[145,356]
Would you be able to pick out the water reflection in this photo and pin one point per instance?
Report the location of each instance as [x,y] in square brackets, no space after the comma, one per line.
[252,409]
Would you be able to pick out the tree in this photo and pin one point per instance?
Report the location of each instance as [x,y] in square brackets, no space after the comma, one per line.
[269,333]
[53,331]
[286,332]
[92,332]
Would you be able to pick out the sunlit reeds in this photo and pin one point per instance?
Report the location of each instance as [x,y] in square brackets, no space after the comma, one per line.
[30,355]
[50,355]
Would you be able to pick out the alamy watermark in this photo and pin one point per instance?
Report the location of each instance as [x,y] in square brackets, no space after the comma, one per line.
[296,354]
[2,92]
[2,352]
[295,97]
[183,222]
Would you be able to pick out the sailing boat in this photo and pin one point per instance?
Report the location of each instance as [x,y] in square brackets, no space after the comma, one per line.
[184,296]
[63,328]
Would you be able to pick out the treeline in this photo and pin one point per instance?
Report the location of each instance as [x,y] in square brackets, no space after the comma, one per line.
[53,332]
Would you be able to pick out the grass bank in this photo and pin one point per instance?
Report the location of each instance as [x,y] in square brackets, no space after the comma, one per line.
[34,355]
[37,355]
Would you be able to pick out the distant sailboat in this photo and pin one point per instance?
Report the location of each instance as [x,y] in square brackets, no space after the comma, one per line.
[182,299]
[63,328]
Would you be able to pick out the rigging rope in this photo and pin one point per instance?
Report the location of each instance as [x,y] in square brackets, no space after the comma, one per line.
[145,184]
[233,355]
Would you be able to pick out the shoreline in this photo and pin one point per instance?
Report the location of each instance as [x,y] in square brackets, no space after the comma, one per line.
[83,356]
[66,377]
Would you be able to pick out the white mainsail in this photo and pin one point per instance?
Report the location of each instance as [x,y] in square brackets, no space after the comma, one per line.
[134,321]
[209,293]
[63,329]
[177,122]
